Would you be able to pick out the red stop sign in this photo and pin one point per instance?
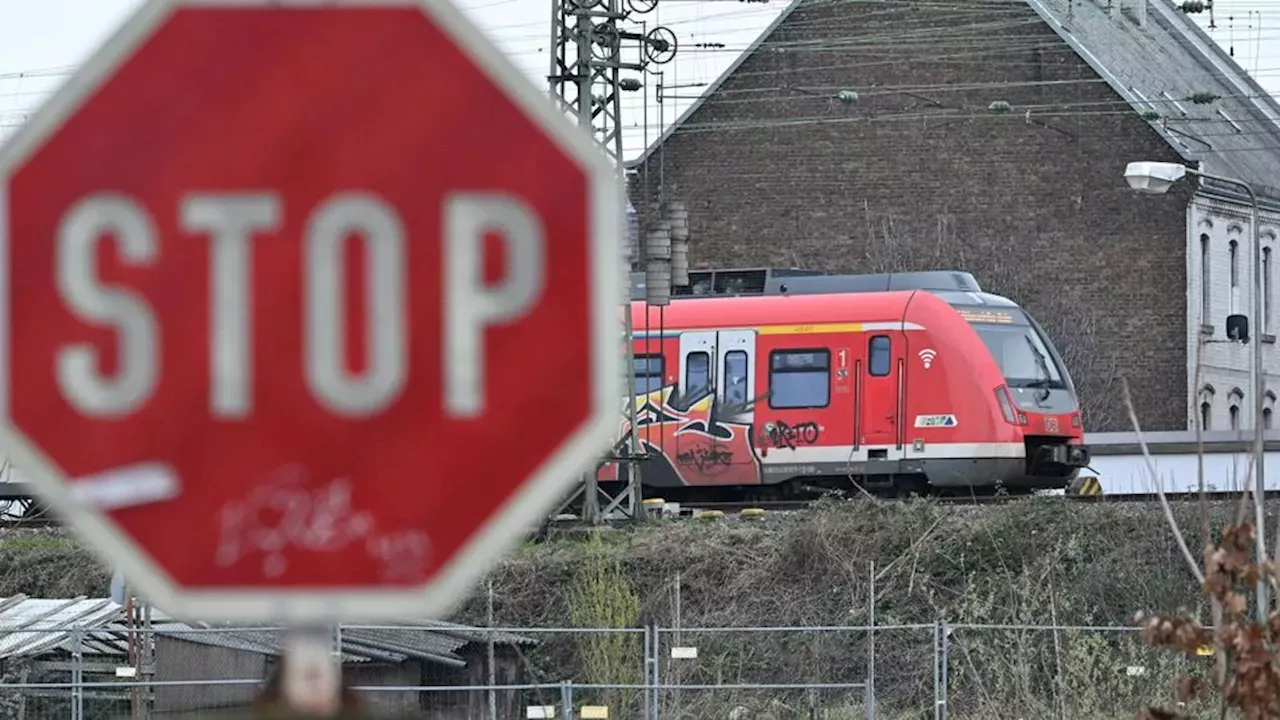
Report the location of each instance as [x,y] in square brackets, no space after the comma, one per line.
[311,308]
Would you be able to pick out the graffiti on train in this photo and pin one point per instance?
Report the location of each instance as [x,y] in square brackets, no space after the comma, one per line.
[707,458]
[788,437]
[698,440]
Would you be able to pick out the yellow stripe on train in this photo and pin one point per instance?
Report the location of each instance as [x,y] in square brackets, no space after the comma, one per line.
[820,328]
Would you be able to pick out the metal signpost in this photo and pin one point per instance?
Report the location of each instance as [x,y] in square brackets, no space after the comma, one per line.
[309,308]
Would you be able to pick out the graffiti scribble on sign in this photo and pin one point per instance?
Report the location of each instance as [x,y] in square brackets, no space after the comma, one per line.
[787,436]
[283,516]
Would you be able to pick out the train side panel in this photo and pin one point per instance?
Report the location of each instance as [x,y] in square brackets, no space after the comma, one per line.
[806,415]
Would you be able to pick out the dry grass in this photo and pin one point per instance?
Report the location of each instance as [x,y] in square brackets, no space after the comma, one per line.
[1023,563]
[1028,562]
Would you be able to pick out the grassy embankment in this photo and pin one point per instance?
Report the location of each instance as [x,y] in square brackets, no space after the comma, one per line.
[1023,563]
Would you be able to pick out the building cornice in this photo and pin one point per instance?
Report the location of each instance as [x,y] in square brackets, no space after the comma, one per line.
[1236,209]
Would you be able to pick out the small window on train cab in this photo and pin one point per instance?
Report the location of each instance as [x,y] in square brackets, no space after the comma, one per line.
[697,374]
[649,371]
[880,359]
[799,379]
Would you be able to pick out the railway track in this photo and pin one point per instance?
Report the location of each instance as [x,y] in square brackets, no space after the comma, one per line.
[39,518]
[718,509]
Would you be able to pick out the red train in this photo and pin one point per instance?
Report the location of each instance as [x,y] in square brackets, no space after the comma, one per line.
[908,383]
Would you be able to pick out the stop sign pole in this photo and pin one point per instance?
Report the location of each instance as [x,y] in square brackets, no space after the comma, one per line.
[309,309]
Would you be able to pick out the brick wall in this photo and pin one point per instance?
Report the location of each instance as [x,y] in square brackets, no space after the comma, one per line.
[776,171]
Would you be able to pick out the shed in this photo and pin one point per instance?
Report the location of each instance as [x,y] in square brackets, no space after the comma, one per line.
[174,667]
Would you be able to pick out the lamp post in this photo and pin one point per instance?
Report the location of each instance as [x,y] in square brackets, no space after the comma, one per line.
[1156,178]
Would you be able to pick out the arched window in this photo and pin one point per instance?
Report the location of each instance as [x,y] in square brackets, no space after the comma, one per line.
[1266,289]
[1205,308]
[1234,250]
[1206,406]
[1235,398]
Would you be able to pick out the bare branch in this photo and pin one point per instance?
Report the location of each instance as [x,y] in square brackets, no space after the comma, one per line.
[1206,537]
[1203,501]
[1155,479]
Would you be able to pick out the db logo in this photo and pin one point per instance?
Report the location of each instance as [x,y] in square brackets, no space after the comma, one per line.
[1051,424]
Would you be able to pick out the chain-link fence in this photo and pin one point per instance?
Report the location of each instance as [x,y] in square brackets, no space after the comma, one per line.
[937,670]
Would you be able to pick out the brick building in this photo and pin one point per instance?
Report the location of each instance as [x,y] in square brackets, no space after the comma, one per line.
[993,136]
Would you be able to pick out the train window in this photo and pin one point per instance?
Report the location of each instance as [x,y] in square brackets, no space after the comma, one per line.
[648,371]
[697,374]
[735,376]
[1022,356]
[880,357]
[799,378]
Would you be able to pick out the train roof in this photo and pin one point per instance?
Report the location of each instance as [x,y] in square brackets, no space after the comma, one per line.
[956,287]
[698,312]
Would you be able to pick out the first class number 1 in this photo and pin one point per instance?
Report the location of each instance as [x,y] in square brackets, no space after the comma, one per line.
[230,222]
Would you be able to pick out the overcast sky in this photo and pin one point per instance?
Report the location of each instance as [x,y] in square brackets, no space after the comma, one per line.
[42,41]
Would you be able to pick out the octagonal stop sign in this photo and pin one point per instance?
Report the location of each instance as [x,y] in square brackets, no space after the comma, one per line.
[310,308]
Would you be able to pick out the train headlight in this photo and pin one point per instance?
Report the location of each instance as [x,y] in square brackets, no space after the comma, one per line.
[1012,415]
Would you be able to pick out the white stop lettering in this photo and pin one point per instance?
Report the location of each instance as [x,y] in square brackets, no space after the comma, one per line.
[231,221]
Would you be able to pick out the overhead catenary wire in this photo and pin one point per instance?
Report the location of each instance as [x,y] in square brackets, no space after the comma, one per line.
[938,38]
[961,43]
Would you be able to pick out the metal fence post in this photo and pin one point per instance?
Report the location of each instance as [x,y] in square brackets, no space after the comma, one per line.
[77,674]
[566,699]
[657,672]
[943,667]
[871,644]
[648,650]
[937,689]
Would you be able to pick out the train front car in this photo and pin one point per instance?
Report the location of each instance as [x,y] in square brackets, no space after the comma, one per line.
[1037,401]
[984,402]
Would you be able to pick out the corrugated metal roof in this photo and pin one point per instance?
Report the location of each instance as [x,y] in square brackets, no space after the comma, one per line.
[1159,65]
[425,642]
[32,626]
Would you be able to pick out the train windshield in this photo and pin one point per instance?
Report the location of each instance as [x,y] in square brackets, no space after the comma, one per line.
[1022,356]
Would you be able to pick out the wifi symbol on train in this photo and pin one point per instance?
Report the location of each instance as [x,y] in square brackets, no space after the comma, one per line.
[926,356]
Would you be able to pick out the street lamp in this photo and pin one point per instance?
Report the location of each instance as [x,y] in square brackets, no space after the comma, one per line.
[1155,178]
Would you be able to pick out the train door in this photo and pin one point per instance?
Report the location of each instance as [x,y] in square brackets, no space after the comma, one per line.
[714,444]
[736,358]
[880,396]
[697,367]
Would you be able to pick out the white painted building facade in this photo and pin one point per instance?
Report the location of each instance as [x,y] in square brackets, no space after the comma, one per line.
[1220,282]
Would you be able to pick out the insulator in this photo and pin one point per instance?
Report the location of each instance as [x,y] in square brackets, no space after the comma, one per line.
[632,244]
[658,244]
[657,279]
[679,218]
[658,264]
[624,269]
[679,263]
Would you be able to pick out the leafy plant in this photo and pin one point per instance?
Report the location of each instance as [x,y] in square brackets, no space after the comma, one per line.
[602,597]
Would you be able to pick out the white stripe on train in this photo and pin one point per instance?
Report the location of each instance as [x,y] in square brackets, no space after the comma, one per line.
[931,451]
